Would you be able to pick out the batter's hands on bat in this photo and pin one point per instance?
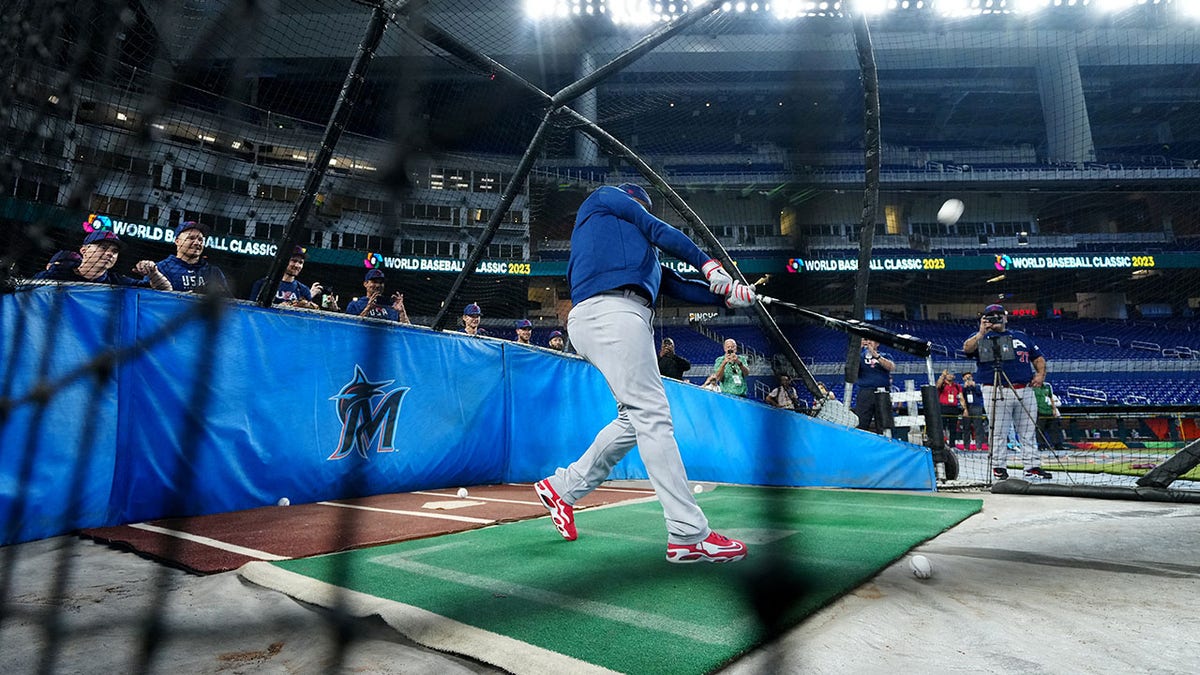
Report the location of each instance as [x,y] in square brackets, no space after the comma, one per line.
[719,281]
[740,295]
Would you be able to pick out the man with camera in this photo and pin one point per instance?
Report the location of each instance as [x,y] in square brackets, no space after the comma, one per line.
[874,377]
[670,364]
[1010,365]
[731,370]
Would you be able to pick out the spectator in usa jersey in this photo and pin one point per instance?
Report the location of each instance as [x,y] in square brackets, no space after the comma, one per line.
[96,258]
[291,292]
[188,270]
[373,305]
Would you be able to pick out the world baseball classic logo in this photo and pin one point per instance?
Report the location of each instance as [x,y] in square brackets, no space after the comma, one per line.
[365,419]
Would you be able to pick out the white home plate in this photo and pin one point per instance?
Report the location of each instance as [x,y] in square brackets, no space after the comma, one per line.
[450,505]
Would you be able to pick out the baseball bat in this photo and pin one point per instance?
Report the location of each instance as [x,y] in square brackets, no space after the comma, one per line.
[903,342]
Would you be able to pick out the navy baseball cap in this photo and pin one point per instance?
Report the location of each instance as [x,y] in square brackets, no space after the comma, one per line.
[554,334]
[524,323]
[191,225]
[472,310]
[634,190]
[103,237]
[300,252]
[373,274]
[994,309]
[66,259]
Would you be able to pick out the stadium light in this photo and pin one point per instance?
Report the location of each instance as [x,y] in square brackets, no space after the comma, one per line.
[1113,5]
[632,12]
[539,9]
[956,8]
[1190,10]
[1028,6]
[870,7]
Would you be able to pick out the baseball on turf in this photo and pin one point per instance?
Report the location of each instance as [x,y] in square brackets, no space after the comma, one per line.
[920,567]
[283,501]
[950,212]
[698,488]
[462,492]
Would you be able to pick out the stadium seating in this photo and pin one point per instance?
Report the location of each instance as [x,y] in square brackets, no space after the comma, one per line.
[1111,350]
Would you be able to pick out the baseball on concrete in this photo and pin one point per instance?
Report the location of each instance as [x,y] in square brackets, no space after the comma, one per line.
[462,492]
[950,212]
[920,567]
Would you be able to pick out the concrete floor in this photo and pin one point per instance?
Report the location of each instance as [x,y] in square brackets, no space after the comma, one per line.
[1031,584]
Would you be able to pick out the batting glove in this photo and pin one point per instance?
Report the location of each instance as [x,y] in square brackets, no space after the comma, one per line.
[740,295]
[719,281]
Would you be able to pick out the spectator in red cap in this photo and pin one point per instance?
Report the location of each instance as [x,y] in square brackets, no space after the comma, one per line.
[96,259]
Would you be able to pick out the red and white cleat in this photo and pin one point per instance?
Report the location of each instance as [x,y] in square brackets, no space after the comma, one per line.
[716,548]
[561,512]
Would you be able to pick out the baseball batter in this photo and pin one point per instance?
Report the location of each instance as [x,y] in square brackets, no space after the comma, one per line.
[615,277]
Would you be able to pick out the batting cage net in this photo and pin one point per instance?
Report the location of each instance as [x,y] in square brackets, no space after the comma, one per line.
[906,166]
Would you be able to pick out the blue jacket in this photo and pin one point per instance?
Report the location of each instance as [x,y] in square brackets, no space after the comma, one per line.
[62,273]
[615,244]
[287,291]
[198,278]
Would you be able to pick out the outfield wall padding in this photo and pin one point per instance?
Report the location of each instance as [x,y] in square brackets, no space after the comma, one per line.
[256,404]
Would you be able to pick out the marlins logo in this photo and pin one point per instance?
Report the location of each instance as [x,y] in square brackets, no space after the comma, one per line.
[363,419]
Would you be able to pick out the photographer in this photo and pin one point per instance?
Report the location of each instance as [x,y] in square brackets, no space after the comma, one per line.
[1010,364]
[731,370]
[671,364]
[874,375]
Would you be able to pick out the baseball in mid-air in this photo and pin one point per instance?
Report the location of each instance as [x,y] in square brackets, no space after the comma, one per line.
[950,212]
[920,567]
[283,501]
[698,488]
[462,492]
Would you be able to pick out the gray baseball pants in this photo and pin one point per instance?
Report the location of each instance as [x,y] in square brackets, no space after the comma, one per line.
[613,332]
[1017,407]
